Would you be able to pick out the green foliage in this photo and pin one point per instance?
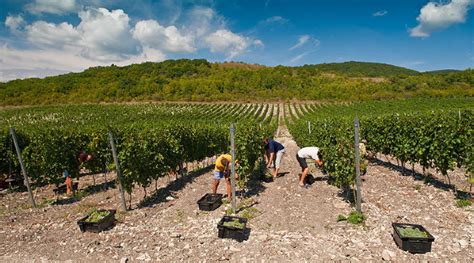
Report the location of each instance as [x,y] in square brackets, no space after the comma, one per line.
[151,140]
[362,69]
[96,216]
[413,232]
[463,202]
[341,218]
[250,213]
[199,80]
[234,223]
[353,218]
[434,133]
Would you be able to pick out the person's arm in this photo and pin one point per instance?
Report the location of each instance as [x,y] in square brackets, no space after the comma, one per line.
[269,164]
[266,156]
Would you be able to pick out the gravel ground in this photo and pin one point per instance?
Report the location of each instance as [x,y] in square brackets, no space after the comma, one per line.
[289,223]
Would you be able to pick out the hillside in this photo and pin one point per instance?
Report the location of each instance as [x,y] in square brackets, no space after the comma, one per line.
[442,71]
[200,80]
[364,69]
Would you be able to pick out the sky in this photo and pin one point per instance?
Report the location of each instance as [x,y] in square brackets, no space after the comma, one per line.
[41,38]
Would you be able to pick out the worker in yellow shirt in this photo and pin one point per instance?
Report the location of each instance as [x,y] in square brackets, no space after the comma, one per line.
[222,170]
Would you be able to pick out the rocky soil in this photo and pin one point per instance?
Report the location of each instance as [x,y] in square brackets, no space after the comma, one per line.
[289,223]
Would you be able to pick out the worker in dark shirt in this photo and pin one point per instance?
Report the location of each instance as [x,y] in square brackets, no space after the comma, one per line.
[273,152]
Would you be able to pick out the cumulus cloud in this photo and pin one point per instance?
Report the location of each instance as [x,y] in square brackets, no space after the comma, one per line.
[49,34]
[106,34]
[18,63]
[380,13]
[58,7]
[224,41]
[200,21]
[15,23]
[302,40]
[436,16]
[103,36]
[150,33]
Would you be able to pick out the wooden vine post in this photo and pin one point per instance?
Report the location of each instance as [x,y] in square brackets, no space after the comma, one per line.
[117,168]
[232,176]
[357,160]
[23,169]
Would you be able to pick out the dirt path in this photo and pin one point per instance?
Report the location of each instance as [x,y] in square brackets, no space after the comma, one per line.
[291,224]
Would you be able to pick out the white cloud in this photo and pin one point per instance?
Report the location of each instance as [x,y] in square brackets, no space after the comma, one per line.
[200,21]
[106,34]
[15,23]
[33,62]
[17,63]
[380,13]
[224,41]
[302,40]
[436,16]
[258,43]
[101,35]
[299,57]
[48,34]
[150,33]
[275,19]
[58,7]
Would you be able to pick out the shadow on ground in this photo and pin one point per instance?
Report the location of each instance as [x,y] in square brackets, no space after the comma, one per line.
[160,195]
[428,179]
[255,184]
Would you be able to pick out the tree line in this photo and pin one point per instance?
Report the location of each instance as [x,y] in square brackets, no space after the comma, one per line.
[200,80]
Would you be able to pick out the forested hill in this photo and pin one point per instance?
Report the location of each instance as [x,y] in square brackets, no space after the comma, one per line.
[363,69]
[200,80]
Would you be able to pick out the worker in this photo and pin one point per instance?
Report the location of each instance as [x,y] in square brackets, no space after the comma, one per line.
[307,153]
[273,153]
[222,170]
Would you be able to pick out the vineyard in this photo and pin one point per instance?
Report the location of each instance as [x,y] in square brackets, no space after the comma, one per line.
[152,140]
[159,145]
[435,134]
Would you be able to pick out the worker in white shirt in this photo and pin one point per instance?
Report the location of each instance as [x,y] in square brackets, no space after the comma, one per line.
[307,153]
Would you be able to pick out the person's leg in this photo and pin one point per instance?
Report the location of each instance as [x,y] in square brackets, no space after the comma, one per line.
[215,181]
[305,169]
[303,175]
[68,185]
[278,158]
[215,184]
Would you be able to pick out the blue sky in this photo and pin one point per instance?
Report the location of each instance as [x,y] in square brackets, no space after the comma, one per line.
[47,37]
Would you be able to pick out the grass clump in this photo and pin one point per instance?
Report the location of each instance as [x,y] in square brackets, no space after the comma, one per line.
[353,218]
[463,203]
[250,213]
